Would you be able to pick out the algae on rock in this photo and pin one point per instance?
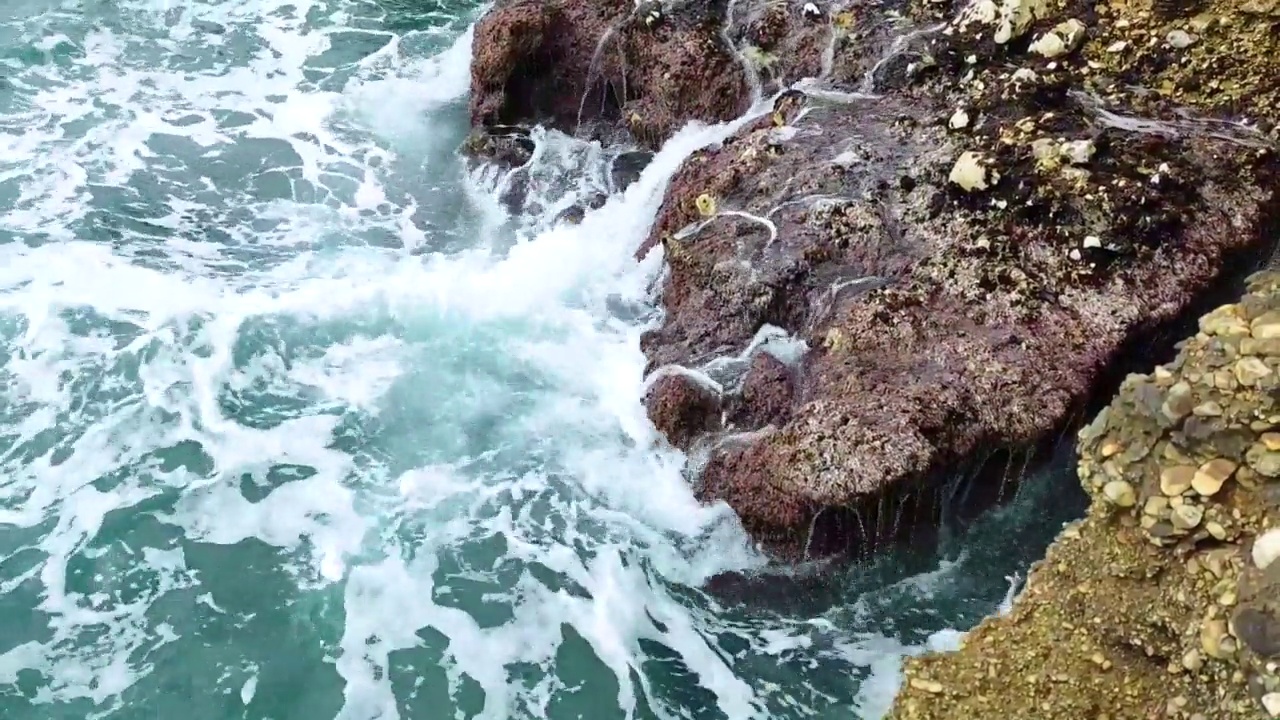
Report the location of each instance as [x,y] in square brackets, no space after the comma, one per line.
[1164,602]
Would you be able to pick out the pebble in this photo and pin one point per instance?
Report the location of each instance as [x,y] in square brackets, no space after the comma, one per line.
[1012,17]
[1120,493]
[1022,75]
[959,120]
[1207,409]
[1210,477]
[1180,39]
[1271,702]
[1223,321]
[1176,480]
[1216,530]
[1156,506]
[971,174]
[1212,635]
[1253,346]
[1177,404]
[1263,460]
[1259,630]
[1193,660]
[1266,548]
[1078,152]
[1250,370]
[1266,326]
[1050,45]
[929,686]
[1202,22]
[1187,517]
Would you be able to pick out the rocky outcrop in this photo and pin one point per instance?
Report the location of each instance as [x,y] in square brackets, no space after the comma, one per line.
[605,66]
[1164,602]
[971,254]
[972,216]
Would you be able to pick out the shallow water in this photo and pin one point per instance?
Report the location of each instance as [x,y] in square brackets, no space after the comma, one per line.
[298,423]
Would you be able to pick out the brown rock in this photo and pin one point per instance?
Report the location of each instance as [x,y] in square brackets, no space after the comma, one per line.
[1210,476]
[934,335]
[682,409]
[768,391]
[943,325]
[1176,479]
[571,62]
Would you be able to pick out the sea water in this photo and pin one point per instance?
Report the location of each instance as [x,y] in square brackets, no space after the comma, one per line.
[299,422]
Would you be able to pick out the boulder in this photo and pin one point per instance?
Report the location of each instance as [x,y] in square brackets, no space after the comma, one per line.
[977,216]
[682,408]
[975,254]
[602,67]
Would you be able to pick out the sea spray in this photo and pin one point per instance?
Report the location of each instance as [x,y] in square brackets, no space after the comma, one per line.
[297,418]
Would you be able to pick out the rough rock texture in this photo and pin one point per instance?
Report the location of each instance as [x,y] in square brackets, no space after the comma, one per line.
[604,63]
[681,408]
[969,253]
[1164,602]
[972,215]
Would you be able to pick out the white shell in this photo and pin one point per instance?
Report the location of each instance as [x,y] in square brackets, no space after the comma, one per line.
[811,9]
[1266,548]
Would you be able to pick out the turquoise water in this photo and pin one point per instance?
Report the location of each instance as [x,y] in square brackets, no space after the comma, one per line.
[297,423]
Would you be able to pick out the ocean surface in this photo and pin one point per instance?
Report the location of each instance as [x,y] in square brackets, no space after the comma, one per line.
[298,423]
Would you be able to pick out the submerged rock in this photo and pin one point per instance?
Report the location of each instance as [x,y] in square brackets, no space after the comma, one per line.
[505,147]
[1133,613]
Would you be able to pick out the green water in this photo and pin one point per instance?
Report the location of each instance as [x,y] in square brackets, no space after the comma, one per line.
[298,424]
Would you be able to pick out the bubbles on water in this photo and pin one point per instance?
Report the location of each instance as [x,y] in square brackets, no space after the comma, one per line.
[296,413]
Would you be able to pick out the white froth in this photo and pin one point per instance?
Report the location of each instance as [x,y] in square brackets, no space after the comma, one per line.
[266,303]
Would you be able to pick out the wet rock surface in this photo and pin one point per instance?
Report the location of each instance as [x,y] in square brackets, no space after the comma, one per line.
[604,67]
[1164,602]
[971,214]
[969,254]
[682,408]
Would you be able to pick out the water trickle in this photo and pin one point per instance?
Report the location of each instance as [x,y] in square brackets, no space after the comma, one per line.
[751,73]
[808,540]
[900,44]
[594,69]
[1188,125]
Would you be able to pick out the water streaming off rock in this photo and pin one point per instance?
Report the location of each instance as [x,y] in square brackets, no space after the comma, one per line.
[297,423]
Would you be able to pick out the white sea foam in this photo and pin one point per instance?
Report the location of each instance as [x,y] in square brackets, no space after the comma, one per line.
[257,311]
